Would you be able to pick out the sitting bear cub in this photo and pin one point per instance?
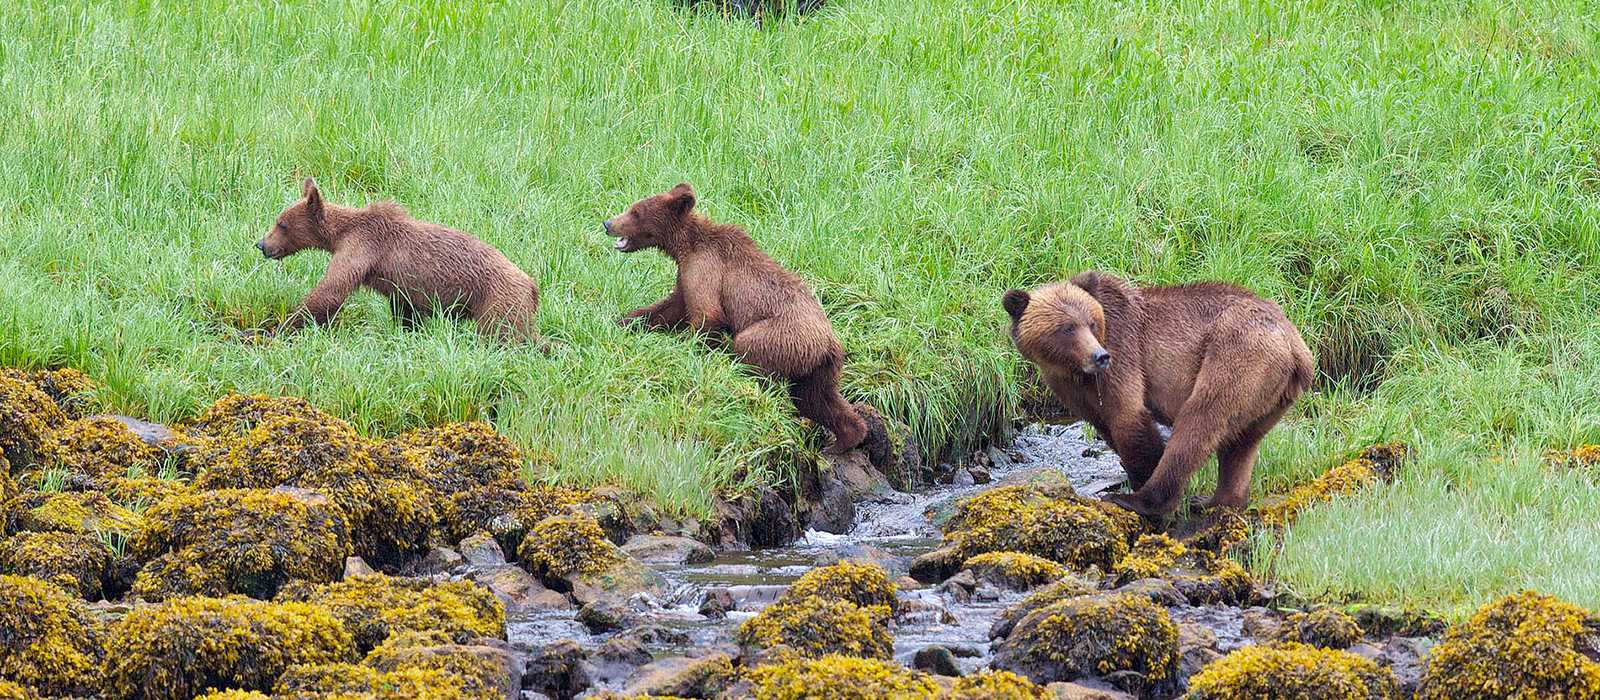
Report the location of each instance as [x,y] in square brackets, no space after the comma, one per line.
[1216,363]
[728,285]
[422,268]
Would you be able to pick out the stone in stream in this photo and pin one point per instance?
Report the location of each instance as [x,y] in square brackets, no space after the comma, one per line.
[1078,691]
[517,589]
[482,550]
[356,566]
[492,663]
[1402,655]
[937,660]
[1120,638]
[681,677]
[604,615]
[1197,646]
[936,566]
[439,560]
[718,602]
[617,659]
[1158,590]
[672,551]
[832,508]
[558,670]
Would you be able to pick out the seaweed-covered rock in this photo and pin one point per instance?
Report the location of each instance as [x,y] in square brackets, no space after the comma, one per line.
[352,682]
[247,541]
[375,606]
[1122,637]
[86,512]
[702,677]
[454,457]
[71,390]
[506,509]
[814,626]
[1291,670]
[866,585]
[1202,576]
[236,414]
[995,685]
[139,494]
[12,691]
[1327,628]
[27,415]
[482,671]
[1063,589]
[1061,527]
[76,562]
[48,640]
[178,649]
[235,694]
[1014,569]
[389,517]
[1525,645]
[96,448]
[1376,463]
[842,678]
[568,545]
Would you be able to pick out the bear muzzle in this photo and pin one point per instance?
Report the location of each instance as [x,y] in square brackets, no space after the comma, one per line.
[1099,361]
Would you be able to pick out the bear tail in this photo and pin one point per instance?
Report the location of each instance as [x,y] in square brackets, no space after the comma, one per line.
[816,396]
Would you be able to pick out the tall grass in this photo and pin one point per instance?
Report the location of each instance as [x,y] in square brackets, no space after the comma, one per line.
[1418,183]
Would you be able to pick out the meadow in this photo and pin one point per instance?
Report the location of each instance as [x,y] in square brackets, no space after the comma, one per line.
[1417,183]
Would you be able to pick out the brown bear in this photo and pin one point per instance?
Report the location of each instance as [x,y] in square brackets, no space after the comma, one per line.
[422,268]
[1217,364]
[728,285]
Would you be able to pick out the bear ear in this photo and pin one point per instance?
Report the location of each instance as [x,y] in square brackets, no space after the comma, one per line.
[313,196]
[682,198]
[1016,302]
[1088,281]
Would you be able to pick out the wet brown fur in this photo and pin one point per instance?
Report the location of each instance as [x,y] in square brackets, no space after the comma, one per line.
[728,285]
[422,268]
[1216,363]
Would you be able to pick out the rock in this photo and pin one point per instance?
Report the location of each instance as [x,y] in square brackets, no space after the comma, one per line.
[1404,656]
[558,671]
[1078,691]
[1262,624]
[482,550]
[1158,590]
[356,566]
[518,589]
[962,478]
[152,434]
[937,660]
[510,669]
[440,560]
[717,603]
[979,474]
[603,615]
[833,509]
[959,587]
[937,565]
[674,551]
[609,506]
[681,677]
[860,554]
[624,577]
[651,634]
[617,659]
[1123,639]
[855,470]
[774,524]
[1197,646]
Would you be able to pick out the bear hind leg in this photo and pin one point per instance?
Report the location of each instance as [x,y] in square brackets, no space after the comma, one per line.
[1235,462]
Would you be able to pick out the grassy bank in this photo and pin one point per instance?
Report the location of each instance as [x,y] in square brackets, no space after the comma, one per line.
[1419,184]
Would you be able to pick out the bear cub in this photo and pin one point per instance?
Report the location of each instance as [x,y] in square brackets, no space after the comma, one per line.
[728,285]
[1217,364]
[422,268]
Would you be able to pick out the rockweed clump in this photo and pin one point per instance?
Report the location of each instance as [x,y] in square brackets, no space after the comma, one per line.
[1291,670]
[375,606]
[48,640]
[1095,635]
[1520,646]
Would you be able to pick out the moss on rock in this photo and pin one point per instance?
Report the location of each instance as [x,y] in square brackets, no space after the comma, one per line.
[506,509]
[75,562]
[814,627]
[48,639]
[97,448]
[454,457]
[995,685]
[1327,628]
[1376,463]
[1068,587]
[27,415]
[837,677]
[235,694]
[1200,575]
[568,545]
[375,606]
[236,414]
[1119,634]
[13,691]
[475,669]
[1014,569]
[85,512]
[179,649]
[1064,528]
[1521,646]
[865,585]
[72,391]
[247,541]
[1291,670]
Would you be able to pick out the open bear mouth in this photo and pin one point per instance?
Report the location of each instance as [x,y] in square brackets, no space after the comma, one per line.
[623,244]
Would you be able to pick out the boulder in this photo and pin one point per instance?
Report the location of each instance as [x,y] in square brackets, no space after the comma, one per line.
[664,550]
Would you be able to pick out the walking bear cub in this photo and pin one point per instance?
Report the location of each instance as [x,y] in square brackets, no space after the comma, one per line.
[1213,361]
[422,268]
[728,285]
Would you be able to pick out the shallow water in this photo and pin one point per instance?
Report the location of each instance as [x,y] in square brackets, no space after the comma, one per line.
[891,530]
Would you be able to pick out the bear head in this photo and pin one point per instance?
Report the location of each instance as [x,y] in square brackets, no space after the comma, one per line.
[1059,327]
[299,227]
[654,222]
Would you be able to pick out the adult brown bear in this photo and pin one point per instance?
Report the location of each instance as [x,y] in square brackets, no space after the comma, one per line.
[422,268]
[1216,363]
[728,285]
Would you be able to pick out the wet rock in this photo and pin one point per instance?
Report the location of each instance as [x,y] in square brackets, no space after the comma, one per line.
[1197,646]
[1327,628]
[859,553]
[440,560]
[1014,570]
[152,434]
[674,551]
[1381,621]
[1079,691]
[832,508]
[558,670]
[753,596]
[490,663]
[1404,656]
[1160,591]
[923,611]
[959,587]
[703,677]
[1263,623]
[979,474]
[617,659]
[962,478]
[774,523]
[604,615]
[937,565]
[652,634]
[1294,670]
[356,566]
[1055,592]
[717,603]
[518,589]
[860,478]
[1125,639]
[937,660]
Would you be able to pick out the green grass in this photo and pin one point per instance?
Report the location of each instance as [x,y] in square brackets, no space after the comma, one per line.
[1418,183]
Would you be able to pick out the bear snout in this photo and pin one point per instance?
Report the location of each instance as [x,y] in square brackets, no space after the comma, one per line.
[1099,361]
[607,225]
[261,245]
